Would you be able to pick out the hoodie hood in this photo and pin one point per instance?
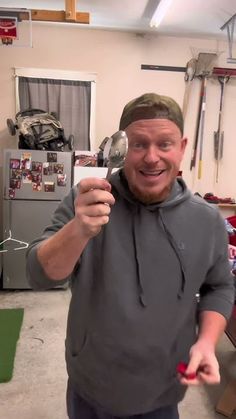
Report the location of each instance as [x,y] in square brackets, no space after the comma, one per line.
[178,194]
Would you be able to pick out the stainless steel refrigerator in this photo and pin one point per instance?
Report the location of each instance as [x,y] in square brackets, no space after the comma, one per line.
[34,182]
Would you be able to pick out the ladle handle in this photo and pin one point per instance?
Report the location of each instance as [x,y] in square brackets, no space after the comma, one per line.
[109,170]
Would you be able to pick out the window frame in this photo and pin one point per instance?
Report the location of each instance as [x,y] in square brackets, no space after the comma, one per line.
[53,74]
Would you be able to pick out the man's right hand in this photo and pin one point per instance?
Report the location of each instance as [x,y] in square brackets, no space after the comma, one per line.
[92,205]
[60,252]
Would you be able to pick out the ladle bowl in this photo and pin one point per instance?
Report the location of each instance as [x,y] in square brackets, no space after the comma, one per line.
[115,151]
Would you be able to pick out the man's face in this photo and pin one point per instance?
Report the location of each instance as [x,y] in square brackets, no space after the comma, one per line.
[155,151]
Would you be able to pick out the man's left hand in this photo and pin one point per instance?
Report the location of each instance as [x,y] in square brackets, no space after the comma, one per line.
[202,364]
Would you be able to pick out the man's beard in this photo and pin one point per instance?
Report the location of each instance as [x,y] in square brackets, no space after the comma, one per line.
[148,198]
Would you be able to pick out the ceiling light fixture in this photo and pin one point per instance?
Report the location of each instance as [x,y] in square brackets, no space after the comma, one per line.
[160,12]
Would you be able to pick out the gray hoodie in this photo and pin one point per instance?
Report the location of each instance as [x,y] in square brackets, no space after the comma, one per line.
[133,311]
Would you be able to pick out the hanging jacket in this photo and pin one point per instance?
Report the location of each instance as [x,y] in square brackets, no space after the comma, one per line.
[133,311]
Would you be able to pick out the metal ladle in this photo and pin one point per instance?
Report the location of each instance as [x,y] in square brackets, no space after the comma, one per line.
[115,151]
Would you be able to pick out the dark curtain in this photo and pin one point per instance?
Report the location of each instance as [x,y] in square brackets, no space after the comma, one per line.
[69,99]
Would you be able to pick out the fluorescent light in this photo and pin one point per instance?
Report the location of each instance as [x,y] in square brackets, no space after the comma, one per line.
[160,12]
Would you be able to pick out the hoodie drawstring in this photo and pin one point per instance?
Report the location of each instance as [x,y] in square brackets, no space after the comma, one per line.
[177,252]
[174,245]
[139,277]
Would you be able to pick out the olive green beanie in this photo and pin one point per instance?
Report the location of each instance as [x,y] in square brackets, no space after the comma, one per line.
[152,106]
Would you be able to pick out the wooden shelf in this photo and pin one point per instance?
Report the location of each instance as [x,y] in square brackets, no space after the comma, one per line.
[233,206]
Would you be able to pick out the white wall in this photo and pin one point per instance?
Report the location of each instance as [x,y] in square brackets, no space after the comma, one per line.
[116,58]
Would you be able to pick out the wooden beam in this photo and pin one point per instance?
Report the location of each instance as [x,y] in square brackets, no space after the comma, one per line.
[70,6]
[58,16]
[68,15]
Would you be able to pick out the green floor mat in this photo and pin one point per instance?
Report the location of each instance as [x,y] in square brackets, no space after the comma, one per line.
[10,325]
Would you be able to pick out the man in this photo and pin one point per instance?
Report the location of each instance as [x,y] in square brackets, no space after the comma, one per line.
[136,251]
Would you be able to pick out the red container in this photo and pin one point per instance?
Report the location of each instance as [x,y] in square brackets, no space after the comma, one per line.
[232,221]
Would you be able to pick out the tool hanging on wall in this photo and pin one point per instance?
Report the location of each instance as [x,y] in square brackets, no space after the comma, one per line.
[219,134]
[189,77]
[204,68]
[196,133]
[223,75]
[202,125]
[229,25]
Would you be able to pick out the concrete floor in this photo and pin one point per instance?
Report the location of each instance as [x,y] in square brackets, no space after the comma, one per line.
[37,389]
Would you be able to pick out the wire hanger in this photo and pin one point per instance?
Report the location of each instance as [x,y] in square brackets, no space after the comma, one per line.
[22,244]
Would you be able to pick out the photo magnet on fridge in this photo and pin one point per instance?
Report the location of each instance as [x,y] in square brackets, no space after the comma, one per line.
[11,193]
[37,186]
[48,169]
[37,166]
[14,163]
[15,183]
[58,168]
[52,157]
[49,186]
[26,176]
[61,180]
[16,174]
[36,177]
[25,162]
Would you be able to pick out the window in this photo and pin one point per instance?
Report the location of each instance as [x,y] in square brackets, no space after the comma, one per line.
[71,95]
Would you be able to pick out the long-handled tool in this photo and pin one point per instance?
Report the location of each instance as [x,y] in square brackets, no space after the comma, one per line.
[223,75]
[219,134]
[204,67]
[196,134]
[203,111]
[189,77]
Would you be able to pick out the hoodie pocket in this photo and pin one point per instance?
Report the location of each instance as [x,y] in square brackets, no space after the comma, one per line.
[117,372]
[107,352]
[78,349]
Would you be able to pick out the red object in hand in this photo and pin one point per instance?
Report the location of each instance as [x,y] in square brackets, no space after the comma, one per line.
[181,369]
